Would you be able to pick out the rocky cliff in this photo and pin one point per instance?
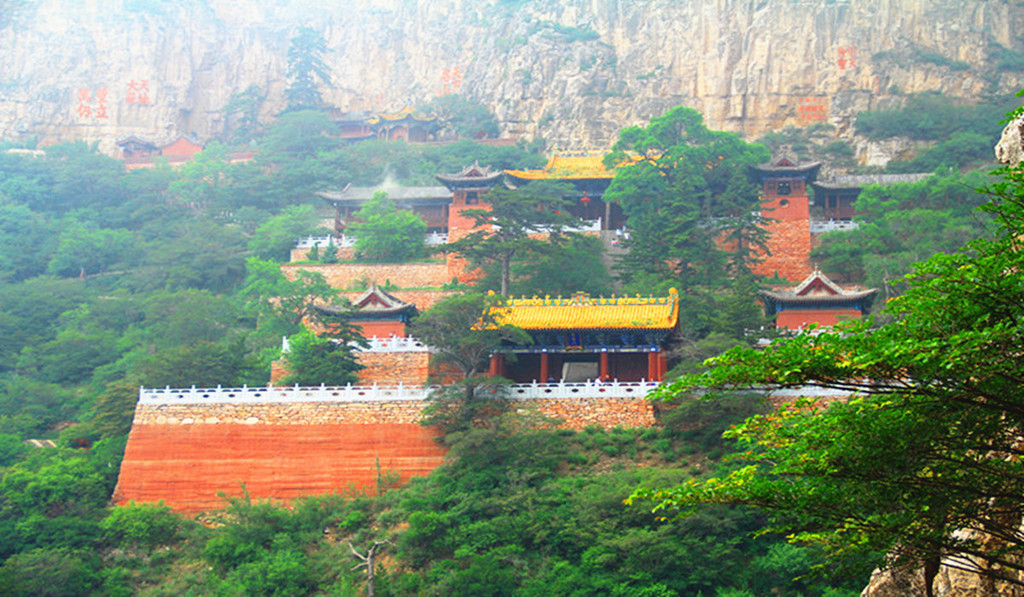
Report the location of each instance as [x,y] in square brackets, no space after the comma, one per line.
[571,71]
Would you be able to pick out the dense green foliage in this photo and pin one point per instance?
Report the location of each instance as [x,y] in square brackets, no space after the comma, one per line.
[387,234]
[923,462]
[936,117]
[307,69]
[683,186]
[903,224]
[517,224]
[519,510]
[158,277]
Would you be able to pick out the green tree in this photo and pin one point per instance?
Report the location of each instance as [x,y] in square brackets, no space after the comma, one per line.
[387,234]
[464,332]
[314,360]
[205,184]
[511,227]
[275,238]
[467,118]
[902,224]
[921,461]
[307,69]
[683,187]
[85,249]
[241,115]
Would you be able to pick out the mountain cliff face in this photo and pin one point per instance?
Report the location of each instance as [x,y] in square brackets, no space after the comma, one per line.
[571,71]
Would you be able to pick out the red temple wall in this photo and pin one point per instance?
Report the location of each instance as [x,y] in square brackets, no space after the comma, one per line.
[381,329]
[181,146]
[789,242]
[185,454]
[800,318]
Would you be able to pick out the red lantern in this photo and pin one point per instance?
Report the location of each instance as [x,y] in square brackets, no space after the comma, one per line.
[585,200]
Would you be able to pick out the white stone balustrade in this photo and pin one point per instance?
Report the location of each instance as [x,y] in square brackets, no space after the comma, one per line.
[376,393]
[375,344]
[431,239]
[393,344]
[584,227]
[822,226]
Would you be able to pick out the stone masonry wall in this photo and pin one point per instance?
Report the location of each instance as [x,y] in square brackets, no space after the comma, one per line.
[402,275]
[577,412]
[390,368]
[789,242]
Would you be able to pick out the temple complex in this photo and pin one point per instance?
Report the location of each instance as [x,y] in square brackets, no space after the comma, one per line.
[816,300]
[137,152]
[404,125]
[589,178]
[583,338]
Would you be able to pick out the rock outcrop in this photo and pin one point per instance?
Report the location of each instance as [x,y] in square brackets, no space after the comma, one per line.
[573,72]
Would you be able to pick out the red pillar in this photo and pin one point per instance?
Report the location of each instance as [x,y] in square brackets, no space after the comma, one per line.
[495,365]
[662,365]
[604,366]
[543,367]
[652,366]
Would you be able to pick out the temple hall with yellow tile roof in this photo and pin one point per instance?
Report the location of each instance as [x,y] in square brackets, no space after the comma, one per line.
[581,338]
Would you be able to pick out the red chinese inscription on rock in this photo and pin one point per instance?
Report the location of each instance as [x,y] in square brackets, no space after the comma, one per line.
[812,108]
[138,92]
[847,57]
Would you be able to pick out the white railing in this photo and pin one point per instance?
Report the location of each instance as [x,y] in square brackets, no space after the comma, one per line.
[822,226]
[431,239]
[394,344]
[375,393]
[375,344]
[324,241]
[584,226]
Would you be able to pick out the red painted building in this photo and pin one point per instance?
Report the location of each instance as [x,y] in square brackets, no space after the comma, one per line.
[816,300]
[786,205]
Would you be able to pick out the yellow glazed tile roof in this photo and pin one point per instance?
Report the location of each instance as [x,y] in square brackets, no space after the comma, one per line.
[405,112]
[583,312]
[562,167]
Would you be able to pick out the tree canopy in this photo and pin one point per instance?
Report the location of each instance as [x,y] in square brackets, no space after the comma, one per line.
[513,225]
[307,69]
[683,186]
[921,460]
[387,234]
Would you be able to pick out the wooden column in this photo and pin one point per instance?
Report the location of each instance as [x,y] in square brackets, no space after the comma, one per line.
[652,366]
[495,369]
[543,368]
[604,366]
[662,365]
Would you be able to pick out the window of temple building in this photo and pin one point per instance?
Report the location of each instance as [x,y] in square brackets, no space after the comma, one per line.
[784,188]
[472,197]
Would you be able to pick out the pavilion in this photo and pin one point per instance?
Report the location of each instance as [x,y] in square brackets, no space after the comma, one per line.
[580,338]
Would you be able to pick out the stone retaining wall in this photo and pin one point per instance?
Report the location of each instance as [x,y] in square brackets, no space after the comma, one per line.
[188,454]
[403,275]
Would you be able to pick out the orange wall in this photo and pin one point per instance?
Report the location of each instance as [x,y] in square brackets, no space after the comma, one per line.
[187,465]
[381,329]
[181,146]
[799,318]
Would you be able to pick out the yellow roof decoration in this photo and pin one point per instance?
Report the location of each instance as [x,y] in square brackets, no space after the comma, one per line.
[569,166]
[583,312]
[406,112]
